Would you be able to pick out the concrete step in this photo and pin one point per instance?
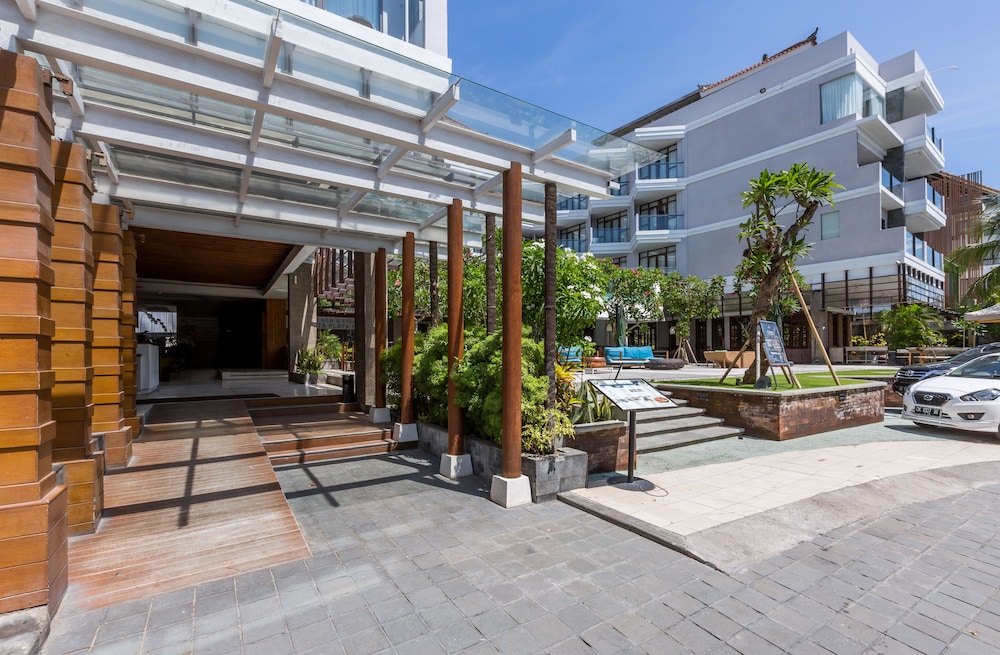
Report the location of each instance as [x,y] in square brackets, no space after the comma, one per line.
[657,415]
[253,374]
[676,425]
[327,453]
[666,441]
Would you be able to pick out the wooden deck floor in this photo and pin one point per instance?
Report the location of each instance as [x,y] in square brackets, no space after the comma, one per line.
[198,502]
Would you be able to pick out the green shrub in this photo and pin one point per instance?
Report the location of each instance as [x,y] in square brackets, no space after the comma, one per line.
[430,377]
[309,361]
[589,406]
[328,344]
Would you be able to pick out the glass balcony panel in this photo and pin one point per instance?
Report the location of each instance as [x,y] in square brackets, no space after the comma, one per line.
[573,203]
[934,197]
[892,183]
[661,222]
[576,244]
[624,188]
[662,170]
[610,235]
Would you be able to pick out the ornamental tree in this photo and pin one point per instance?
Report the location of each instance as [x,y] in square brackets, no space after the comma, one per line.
[771,248]
[632,294]
[689,298]
[579,291]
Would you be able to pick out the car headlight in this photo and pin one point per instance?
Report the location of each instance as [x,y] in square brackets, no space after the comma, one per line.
[983,395]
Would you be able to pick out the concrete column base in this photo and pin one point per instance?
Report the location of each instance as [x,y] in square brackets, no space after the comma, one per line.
[456,466]
[404,432]
[379,415]
[510,492]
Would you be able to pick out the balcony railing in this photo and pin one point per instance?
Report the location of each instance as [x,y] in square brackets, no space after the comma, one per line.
[892,183]
[934,197]
[577,244]
[662,170]
[663,269]
[610,235]
[661,222]
[576,202]
[935,139]
[922,250]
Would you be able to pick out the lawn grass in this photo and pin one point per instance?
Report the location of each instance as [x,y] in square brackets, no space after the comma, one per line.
[808,380]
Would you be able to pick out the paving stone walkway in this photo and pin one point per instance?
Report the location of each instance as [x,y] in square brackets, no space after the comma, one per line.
[404,561]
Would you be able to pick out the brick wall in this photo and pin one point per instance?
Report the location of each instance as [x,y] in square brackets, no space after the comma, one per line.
[789,414]
[606,444]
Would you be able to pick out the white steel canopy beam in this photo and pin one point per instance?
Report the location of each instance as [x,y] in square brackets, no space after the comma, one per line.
[549,150]
[440,108]
[188,68]
[389,161]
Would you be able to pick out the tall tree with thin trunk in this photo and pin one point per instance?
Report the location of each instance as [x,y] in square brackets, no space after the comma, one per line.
[772,248]
[435,291]
[491,273]
[550,295]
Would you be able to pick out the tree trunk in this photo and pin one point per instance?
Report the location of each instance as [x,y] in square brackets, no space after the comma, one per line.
[435,299]
[491,273]
[550,296]
[762,308]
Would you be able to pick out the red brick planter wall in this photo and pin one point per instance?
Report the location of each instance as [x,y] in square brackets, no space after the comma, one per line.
[606,444]
[789,414]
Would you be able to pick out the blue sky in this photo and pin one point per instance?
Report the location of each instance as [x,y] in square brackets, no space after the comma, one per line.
[606,62]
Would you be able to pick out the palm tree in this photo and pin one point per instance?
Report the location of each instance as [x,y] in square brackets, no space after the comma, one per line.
[985,249]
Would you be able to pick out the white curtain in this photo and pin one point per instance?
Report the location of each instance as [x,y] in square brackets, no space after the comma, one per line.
[840,97]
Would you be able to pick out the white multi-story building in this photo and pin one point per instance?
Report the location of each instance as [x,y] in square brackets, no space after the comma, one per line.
[829,104]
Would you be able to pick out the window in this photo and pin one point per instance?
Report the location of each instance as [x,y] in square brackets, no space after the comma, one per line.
[847,96]
[829,226]
[664,258]
[611,229]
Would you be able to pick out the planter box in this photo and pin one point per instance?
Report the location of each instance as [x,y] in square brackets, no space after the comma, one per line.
[548,474]
[303,378]
[780,415]
[606,445]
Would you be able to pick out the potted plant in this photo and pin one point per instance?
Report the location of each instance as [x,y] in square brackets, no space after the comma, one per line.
[588,350]
[308,364]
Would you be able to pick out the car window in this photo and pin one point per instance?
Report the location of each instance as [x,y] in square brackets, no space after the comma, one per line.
[984,367]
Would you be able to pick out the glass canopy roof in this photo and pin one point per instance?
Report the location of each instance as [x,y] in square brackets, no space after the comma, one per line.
[364,99]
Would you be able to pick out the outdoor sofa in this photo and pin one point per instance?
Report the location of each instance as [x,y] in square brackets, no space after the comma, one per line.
[628,355]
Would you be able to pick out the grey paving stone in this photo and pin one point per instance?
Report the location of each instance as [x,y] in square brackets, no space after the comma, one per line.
[365,642]
[458,636]
[605,639]
[916,639]
[121,628]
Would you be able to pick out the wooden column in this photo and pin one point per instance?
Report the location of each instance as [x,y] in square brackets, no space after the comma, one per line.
[456,320]
[381,312]
[409,325]
[109,390]
[72,310]
[130,370]
[511,324]
[491,273]
[33,541]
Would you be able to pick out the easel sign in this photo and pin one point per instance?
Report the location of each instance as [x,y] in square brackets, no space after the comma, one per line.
[628,396]
[774,350]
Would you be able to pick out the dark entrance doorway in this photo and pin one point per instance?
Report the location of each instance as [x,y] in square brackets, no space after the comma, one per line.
[239,334]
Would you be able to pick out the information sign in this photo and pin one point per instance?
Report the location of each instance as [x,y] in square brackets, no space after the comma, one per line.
[773,344]
[628,395]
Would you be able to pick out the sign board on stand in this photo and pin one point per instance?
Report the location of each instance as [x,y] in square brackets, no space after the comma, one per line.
[774,349]
[628,396]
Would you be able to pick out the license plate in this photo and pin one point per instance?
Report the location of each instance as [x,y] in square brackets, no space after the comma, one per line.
[927,411]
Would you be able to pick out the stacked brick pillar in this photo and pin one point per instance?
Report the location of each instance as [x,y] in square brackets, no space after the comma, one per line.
[33,497]
[108,357]
[129,319]
[72,302]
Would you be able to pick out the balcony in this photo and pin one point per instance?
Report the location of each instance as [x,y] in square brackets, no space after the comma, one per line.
[891,191]
[660,136]
[660,229]
[924,209]
[661,222]
[620,197]
[921,250]
[607,241]
[923,150]
[658,178]
[875,138]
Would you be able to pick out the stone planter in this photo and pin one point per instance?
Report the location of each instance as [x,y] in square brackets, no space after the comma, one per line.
[547,474]
[780,415]
[303,378]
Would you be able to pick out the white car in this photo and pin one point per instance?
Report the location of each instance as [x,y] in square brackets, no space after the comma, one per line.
[967,398]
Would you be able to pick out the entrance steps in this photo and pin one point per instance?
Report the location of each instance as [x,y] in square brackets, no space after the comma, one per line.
[253,374]
[314,432]
[673,427]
